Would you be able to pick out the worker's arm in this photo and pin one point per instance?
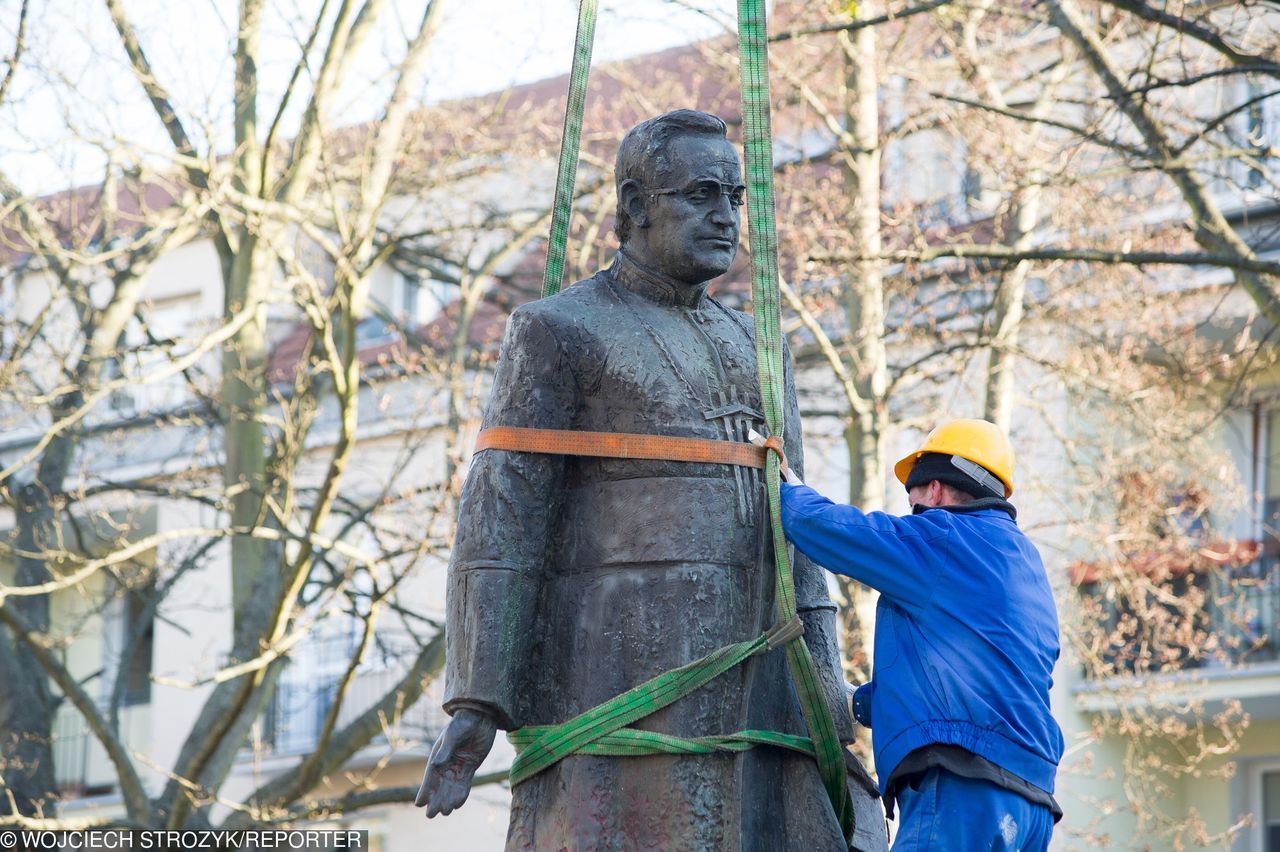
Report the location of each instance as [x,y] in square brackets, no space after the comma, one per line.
[898,557]
[813,601]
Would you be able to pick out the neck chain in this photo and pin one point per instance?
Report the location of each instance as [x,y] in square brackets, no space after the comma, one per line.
[701,397]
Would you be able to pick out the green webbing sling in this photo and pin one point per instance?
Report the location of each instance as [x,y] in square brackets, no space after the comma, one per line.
[567,172]
[545,745]
[603,730]
[753,49]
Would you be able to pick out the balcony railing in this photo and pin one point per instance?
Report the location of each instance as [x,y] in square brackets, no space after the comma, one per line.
[80,763]
[1244,611]
[307,688]
[1238,623]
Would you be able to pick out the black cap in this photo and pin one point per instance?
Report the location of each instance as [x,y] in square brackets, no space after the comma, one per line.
[940,466]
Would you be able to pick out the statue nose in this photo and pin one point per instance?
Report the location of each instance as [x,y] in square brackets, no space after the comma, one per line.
[722,211]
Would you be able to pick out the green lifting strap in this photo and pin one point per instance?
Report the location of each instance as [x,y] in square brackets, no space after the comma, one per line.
[545,746]
[633,742]
[567,172]
[603,730]
[753,49]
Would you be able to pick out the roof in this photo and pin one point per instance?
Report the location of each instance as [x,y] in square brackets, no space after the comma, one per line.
[80,220]
[1174,561]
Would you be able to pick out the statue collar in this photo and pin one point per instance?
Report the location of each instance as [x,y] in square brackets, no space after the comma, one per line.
[654,286]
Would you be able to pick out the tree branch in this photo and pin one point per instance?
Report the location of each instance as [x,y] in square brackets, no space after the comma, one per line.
[1212,230]
[19,45]
[161,100]
[387,140]
[295,783]
[1199,32]
[1184,82]
[826,347]
[1223,118]
[306,144]
[1008,253]
[290,87]
[1030,118]
[136,802]
[853,26]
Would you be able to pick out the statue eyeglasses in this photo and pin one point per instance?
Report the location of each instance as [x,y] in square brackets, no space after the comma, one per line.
[706,190]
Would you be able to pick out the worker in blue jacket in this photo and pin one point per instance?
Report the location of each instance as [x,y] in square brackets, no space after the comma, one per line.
[966,638]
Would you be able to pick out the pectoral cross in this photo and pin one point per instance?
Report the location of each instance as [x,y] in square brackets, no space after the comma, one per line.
[738,419]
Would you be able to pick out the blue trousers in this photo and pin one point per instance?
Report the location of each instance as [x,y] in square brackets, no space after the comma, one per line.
[942,811]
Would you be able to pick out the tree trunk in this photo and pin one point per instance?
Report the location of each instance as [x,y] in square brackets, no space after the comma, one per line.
[255,580]
[27,709]
[1008,311]
[28,706]
[256,563]
[864,313]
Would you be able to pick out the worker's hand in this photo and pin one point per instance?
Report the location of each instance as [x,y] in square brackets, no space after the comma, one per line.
[459,750]
[784,470]
[860,702]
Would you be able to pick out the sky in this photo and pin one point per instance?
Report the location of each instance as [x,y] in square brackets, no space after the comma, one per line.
[489,44]
[78,78]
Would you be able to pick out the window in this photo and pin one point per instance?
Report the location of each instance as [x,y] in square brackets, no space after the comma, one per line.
[307,689]
[128,639]
[412,298]
[1270,454]
[1269,819]
[1261,125]
[421,298]
[1256,131]
[1263,805]
[139,627]
[375,331]
[171,318]
[1246,599]
[120,400]
[1186,597]
[971,186]
[9,319]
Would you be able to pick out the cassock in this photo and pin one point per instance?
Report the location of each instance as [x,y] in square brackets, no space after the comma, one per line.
[574,579]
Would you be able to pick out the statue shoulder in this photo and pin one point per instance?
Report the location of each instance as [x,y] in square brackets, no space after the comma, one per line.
[566,309]
[742,318]
[748,323]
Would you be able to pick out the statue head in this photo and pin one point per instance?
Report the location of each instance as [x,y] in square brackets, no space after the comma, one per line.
[679,195]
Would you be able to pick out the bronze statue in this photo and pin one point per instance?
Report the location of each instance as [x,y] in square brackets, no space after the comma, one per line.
[573,578]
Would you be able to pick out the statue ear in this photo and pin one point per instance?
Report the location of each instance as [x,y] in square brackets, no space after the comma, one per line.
[632,197]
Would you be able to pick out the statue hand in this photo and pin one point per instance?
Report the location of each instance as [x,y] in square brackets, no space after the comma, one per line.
[459,750]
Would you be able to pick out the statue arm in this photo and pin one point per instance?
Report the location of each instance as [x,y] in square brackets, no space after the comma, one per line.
[505,523]
[509,506]
[813,601]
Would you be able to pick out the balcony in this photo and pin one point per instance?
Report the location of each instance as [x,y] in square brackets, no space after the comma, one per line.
[1204,628]
[1244,612]
[81,767]
[294,720]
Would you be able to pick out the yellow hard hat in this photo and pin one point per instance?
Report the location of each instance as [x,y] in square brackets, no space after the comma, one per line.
[978,441]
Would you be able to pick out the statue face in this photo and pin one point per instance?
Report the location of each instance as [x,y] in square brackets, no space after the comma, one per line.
[691,232]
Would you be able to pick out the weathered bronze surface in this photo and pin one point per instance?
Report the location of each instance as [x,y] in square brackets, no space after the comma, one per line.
[574,579]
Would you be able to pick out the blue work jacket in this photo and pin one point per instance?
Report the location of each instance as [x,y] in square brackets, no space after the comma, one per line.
[966,628]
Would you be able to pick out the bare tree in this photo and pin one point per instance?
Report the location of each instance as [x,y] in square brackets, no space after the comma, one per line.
[279,385]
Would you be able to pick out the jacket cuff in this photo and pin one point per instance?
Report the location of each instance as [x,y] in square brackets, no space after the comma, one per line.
[502,720]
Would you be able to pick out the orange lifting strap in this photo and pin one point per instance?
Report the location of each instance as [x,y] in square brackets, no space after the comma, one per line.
[625,445]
